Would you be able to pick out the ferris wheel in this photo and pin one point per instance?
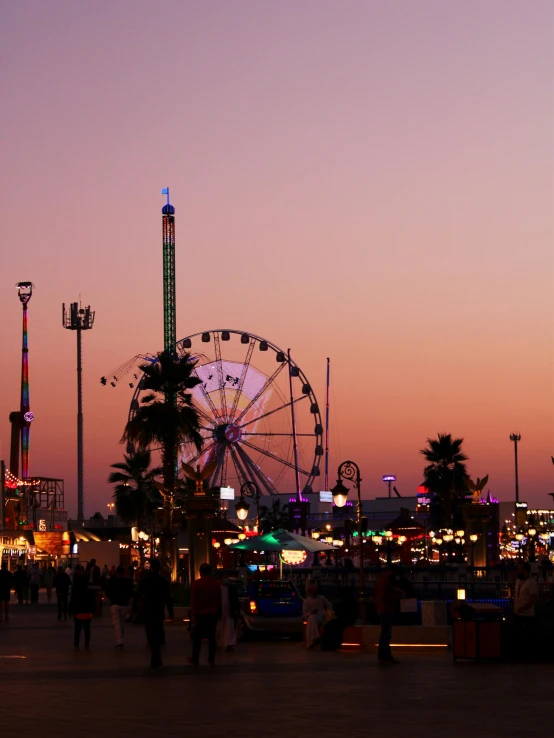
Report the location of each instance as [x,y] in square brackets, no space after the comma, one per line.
[260,418]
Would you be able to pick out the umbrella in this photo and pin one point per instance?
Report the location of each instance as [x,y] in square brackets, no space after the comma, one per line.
[281,540]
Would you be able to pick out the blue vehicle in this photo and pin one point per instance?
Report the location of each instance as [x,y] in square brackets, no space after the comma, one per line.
[270,606]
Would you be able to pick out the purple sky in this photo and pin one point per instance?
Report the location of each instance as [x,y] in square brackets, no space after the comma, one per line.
[368,181]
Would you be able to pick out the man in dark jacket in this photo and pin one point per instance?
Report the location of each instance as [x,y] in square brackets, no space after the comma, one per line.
[61,584]
[205,608]
[6,583]
[152,598]
[119,589]
[387,598]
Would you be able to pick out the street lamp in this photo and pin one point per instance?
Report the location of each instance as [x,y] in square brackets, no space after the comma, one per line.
[519,539]
[516,438]
[250,489]
[351,471]
[389,479]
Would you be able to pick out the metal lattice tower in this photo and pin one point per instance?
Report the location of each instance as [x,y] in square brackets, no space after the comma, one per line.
[79,319]
[168,234]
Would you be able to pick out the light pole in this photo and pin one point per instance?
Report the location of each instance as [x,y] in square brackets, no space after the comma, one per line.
[516,438]
[351,471]
[389,479]
[250,489]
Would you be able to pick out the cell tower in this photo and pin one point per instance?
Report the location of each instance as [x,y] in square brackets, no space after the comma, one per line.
[79,319]
[168,235]
[26,417]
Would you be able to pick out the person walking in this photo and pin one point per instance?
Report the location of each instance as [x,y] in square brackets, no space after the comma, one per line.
[314,610]
[226,632]
[205,607]
[152,598]
[6,583]
[26,581]
[387,598]
[525,599]
[81,605]
[119,591]
[94,577]
[62,583]
[34,579]
[49,575]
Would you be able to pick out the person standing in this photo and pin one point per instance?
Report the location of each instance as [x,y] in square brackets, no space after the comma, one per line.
[82,606]
[153,596]
[6,583]
[62,583]
[34,578]
[314,609]
[49,575]
[19,583]
[226,632]
[205,607]
[525,599]
[93,575]
[387,599]
[119,591]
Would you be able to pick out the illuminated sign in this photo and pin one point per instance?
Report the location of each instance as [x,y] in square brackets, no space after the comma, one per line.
[226,493]
[29,417]
[389,478]
[42,524]
[294,557]
[326,497]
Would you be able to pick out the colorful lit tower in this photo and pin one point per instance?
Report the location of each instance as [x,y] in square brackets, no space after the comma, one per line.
[168,235]
[79,319]
[26,417]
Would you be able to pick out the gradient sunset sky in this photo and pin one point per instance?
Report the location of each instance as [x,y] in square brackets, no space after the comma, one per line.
[370,181]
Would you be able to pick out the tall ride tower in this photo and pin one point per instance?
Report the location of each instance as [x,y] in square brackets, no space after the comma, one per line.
[168,235]
[26,417]
[79,319]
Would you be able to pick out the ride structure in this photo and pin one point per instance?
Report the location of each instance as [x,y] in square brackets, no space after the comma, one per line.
[79,319]
[170,307]
[26,417]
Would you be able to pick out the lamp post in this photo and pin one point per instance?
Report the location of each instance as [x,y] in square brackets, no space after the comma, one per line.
[351,471]
[531,533]
[250,489]
[389,479]
[519,539]
[516,438]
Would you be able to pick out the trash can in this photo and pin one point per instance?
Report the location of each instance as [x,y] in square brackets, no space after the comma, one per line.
[477,631]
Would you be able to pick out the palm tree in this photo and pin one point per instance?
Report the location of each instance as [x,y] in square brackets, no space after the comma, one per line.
[274,517]
[136,497]
[166,417]
[445,477]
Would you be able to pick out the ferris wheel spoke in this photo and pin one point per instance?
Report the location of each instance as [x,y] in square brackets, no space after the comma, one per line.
[205,416]
[241,471]
[201,453]
[219,365]
[209,401]
[212,479]
[271,412]
[245,367]
[267,384]
[287,435]
[255,472]
[273,456]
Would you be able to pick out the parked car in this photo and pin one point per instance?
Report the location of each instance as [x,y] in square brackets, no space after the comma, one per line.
[270,606]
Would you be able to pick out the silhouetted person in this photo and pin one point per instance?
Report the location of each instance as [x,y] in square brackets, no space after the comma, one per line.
[6,583]
[34,578]
[49,576]
[19,580]
[525,599]
[152,598]
[119,591]
[387,598]
[62,583]
[205,607]
[82,606]
[93,575]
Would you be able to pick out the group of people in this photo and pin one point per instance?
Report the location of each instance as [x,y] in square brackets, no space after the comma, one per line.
[26,582]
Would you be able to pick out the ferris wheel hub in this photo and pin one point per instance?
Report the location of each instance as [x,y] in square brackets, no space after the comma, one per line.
[227,433]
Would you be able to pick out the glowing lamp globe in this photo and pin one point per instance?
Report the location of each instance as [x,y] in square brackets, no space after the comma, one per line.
[241,508]
[340,494]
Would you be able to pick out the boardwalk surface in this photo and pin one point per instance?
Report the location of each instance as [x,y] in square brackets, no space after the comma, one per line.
[266,689]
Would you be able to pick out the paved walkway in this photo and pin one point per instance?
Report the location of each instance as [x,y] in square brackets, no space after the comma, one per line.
[265,689]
